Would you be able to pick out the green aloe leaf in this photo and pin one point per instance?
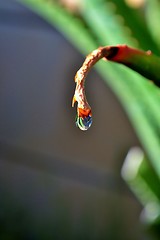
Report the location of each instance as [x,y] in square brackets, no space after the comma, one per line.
[98,25]
[139,98]
[133,18]
[145,63]
[144,182]
[153,19]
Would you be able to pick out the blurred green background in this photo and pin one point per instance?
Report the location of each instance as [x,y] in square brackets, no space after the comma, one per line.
[57,182]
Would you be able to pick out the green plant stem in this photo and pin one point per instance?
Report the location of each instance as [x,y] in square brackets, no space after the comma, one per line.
[145,63]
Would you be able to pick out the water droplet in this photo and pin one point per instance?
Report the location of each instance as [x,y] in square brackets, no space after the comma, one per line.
[84,123]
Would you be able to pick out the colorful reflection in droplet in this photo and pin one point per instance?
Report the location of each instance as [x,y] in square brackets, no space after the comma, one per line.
[84,123]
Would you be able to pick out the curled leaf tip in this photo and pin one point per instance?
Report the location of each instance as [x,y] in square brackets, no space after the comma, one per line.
[142,62]
[84,116]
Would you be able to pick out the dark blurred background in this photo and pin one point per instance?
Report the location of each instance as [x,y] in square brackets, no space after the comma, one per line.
[57,182]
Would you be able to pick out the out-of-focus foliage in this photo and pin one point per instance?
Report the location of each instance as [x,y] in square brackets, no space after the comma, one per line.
[92,23]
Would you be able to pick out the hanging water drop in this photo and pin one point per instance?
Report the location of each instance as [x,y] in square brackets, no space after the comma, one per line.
[84,123]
